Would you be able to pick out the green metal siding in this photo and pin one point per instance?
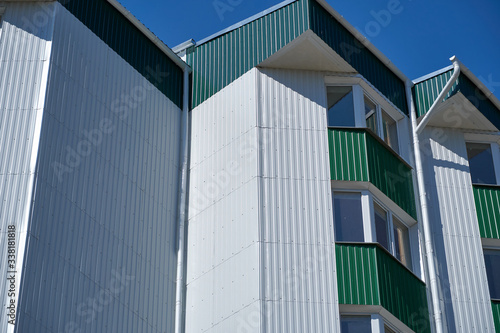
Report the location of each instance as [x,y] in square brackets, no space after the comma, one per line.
[496,315]
[220,61]
[357,277]
[426,92]
[369,275]
[130,43]
[348,146]
[487,199]
[390,175]
[356,54]
[356,155]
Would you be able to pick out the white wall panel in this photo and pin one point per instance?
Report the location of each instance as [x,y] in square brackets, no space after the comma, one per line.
[24,59]
[298,271]
[112,212]
[461,270]
[223,230]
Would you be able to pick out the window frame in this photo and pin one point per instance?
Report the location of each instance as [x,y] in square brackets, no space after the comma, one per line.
[494,141]
[362,89]
[378,319]
[368,201]
[490,248]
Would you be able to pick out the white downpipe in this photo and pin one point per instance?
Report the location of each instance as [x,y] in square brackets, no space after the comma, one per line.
[179,282]
[440,98]
[429,248]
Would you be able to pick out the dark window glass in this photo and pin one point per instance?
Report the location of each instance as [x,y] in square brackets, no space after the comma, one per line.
[381,227]
[355,324]
[390,131]
[340,106]
[492,261]
[401,242]
[387,329]
[482,170]
[371,115]
[348,217]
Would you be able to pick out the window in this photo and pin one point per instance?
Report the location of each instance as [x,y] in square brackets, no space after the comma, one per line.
[381,226]
[355,324]
[401,242]
[371,115]
[386,129]
[390,131]
[360,217]
[492,261]
[340,106]
[482,169]
[348,217]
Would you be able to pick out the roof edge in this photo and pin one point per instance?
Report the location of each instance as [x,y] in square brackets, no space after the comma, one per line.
[151,36]
[433,74]
[246,21]
[360,37]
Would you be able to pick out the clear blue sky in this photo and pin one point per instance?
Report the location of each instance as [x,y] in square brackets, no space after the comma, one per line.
[418,39]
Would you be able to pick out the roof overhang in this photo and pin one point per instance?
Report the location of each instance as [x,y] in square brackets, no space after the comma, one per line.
[308,52]
[459,113]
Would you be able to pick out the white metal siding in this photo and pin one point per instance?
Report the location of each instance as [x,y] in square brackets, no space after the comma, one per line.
[24,58]
[298,271]
[464,285]
[223,251]
[114,211]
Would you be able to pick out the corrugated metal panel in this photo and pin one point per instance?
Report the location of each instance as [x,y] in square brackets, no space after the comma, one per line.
[223,229]
[368,275]
[487,199]
[496,315]
[426,92]
[356,155]
[348,157]
[298,278]
[357,274]
[365,62]
[114,208]
[458,248]
[125,39]
[390,175]
[24,59]
[219,62]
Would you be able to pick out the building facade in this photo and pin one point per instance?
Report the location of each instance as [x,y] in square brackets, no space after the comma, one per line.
[323,191]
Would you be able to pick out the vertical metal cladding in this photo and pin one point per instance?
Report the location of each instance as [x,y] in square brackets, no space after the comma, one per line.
[223,229]
[426,92]
[102,225]
[459,254]
[125,39]
[487,199]
[348,155]
[298,288]
[390,174]
[356,54]
[356,155]
[369,275]
[495,305]
[24,57]
[220,61]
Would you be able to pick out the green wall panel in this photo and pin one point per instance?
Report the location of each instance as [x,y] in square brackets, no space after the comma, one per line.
[356,54]
[390,175]
[222,60]
[426,92]
[496,315]
[369,275]
[356,155]
[130,43]
[357,274]
[348,147]
[487,199]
